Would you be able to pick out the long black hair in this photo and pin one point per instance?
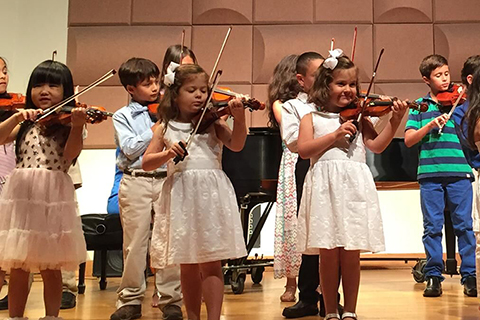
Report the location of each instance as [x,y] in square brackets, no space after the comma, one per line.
[52,72]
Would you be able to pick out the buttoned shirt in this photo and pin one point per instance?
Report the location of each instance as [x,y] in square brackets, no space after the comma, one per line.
[133,132]
[293,111]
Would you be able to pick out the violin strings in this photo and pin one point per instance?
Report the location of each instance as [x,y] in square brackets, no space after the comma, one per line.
[215,83]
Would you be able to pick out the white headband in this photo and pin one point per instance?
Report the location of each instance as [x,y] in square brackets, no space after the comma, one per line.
[169,77]
[331,62]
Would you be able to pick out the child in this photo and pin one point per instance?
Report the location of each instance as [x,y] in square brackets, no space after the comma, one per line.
[292,112]
[173,53]
[470,150]
[444,176]
[138,192]
[7,154]
[339,213]
[473,129]
[37,205]
[198,208]
[284,86]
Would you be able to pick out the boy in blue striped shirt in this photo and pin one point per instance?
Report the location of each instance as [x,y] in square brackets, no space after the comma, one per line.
[444,177]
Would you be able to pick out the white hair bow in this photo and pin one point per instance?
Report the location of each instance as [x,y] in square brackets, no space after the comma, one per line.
[331,62]
[169,77]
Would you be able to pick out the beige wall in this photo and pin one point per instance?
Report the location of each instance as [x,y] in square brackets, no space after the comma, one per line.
[31,31]
[102,34]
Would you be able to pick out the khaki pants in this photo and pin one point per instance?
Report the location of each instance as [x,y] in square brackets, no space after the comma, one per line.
[137,198]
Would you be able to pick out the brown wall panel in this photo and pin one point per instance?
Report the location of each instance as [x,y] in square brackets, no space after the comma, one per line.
[94,51]
[260,117]
[272,43]
[347,11]
[222,12]
[94,12]
[401,11]
[101,135]
[457,42]
[281,11]
[457,11]
[103,34]
[236,60]
[405,47]
[162,12]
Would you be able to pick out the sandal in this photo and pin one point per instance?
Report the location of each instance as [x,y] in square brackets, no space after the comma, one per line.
[349,315]
[289,294]
[332,316]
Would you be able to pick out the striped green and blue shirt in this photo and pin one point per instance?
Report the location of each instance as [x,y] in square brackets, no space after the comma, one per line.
[440,155]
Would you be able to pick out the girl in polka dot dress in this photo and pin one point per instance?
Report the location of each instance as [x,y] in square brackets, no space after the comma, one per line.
[39,226]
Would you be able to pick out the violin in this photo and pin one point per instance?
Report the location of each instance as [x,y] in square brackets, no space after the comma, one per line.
[376,108]
[221,96]
[95,114]
[214,113]
[16,101]
[449,97]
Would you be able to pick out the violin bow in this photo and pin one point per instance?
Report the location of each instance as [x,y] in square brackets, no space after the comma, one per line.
[58,106]
[177,159]
[220,55]
[364,102]
[182,46]
[354,44]
[54,55]
[332,44]
[453,107]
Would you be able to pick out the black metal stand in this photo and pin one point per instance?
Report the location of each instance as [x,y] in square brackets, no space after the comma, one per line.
[236,270]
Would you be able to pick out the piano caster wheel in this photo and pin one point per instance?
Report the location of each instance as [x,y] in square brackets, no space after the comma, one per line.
[418,271]
[257,274]
[238,285]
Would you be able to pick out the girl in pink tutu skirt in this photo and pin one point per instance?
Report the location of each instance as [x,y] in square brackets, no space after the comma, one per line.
[40,229]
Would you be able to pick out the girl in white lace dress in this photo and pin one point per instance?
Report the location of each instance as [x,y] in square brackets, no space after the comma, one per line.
[39,226]
[197,223]
[339,214]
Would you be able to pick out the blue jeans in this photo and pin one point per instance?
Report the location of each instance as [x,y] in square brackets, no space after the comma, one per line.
[457,194]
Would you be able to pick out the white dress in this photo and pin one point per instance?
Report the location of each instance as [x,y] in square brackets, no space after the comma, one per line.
[40,227]
[197,219]
[339,206]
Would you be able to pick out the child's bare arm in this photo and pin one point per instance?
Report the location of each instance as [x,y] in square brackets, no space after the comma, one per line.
[156,155]
[413,136]
[309,147]
[9,128]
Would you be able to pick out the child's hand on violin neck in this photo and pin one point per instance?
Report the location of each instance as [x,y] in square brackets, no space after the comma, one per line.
[439,121]
[178,150]
[28,114]
[347,128]
[399,107]
[236,108]
[79,116]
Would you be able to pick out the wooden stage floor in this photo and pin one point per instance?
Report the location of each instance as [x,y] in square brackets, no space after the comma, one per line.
[386,292]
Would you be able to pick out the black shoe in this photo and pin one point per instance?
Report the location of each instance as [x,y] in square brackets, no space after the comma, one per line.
[322,311]
[69,300]
[433,288]
[300,309]
[470,286]
[127,312]
[4,303]
[172,312]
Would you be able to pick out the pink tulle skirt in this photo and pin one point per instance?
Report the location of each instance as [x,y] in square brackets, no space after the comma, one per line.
[40,227]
